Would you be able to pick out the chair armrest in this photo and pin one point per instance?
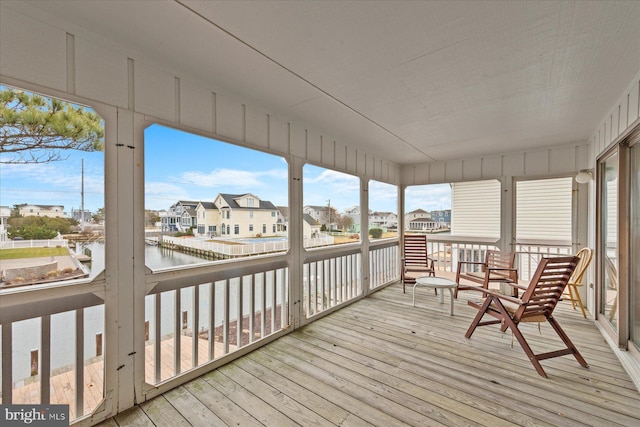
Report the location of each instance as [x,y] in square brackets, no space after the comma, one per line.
[501,296]
[471,262]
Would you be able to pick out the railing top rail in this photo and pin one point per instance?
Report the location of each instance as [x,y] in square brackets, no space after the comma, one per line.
[462,239]
[331,252]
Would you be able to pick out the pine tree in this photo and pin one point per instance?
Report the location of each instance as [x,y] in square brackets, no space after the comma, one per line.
[37,129]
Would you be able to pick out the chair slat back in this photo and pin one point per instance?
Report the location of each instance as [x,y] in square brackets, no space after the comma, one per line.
[546,287]
[415,250]
[585,255]
[500,259]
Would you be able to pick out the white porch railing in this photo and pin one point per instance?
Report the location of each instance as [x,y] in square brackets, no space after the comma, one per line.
[529,254]
[383,263]
[447,250]
[331,278]
[194,316]
[52,345]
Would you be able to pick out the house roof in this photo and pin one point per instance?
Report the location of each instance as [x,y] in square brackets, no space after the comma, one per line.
[208,205]
[230,199]
[309,220]
[418,211]
[284,211]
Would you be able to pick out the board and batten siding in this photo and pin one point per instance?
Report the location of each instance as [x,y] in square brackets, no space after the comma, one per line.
[543,210]
[475,209]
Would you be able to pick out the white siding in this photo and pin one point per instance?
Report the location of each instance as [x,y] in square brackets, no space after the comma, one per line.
[543,209]
[475,209]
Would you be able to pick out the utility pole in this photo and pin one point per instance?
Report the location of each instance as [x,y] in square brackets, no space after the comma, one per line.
[329,204]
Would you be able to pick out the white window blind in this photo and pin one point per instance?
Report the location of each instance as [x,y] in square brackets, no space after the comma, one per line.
[475,209]
[543,210]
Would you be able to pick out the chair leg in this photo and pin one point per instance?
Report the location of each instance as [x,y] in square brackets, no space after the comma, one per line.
[525,345]
[565,339]
[572,298]
[478,318]
[579,301]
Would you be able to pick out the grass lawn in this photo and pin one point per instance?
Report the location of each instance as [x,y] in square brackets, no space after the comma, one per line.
[32,252]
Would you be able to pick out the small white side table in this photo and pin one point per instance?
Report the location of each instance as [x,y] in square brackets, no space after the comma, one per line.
[436,283]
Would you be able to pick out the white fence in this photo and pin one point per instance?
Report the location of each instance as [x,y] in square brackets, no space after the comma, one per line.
[236,248]
[20,244]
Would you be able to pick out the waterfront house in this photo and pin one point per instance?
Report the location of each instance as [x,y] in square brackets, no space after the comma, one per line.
[180,216]
[51,211]
[207,219]
[495,98]
[384,220]
[245,215]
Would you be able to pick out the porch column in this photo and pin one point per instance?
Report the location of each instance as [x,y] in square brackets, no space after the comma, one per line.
[296,242]
[507,240]
[364,234]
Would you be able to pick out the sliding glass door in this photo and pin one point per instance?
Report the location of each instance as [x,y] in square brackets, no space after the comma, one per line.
[634,256]
[608,306]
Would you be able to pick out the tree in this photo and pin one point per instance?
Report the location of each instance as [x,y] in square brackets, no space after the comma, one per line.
[38,227]
[37,129]
[98,217]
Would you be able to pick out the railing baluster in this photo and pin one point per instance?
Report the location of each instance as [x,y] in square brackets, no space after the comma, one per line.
[239,313]
[79,362]
[284,279]
[273,300]
[263,311]
[225,321]
[320,274]
[252,308]
[195,330]
[157,350]
[212,320]
[45,365]
[177,332]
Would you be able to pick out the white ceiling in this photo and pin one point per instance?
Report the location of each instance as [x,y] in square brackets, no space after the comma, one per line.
[409,82]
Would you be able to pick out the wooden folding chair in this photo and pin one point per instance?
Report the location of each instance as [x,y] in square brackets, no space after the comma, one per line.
[416,261]
[537,303]
[497,267]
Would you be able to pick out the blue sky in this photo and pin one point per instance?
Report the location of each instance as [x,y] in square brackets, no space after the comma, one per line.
[183,166]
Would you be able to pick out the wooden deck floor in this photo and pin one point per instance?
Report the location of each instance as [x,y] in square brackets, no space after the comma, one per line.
[383,362]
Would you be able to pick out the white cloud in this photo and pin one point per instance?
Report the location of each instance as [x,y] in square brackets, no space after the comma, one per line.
[428,197]
[229,179]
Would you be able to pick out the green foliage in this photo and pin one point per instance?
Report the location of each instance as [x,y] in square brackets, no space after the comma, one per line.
[375,233]
[38,227]
[323,227]
[36,129]
[189,232]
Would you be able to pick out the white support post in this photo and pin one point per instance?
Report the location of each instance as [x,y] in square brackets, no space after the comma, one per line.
[296,246]
[364,235]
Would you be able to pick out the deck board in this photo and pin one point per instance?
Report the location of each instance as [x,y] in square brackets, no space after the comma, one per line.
[383,362]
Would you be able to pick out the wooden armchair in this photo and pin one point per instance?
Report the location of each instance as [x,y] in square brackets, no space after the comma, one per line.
[536,305]
[416,261]
[585,255]
[497,267]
